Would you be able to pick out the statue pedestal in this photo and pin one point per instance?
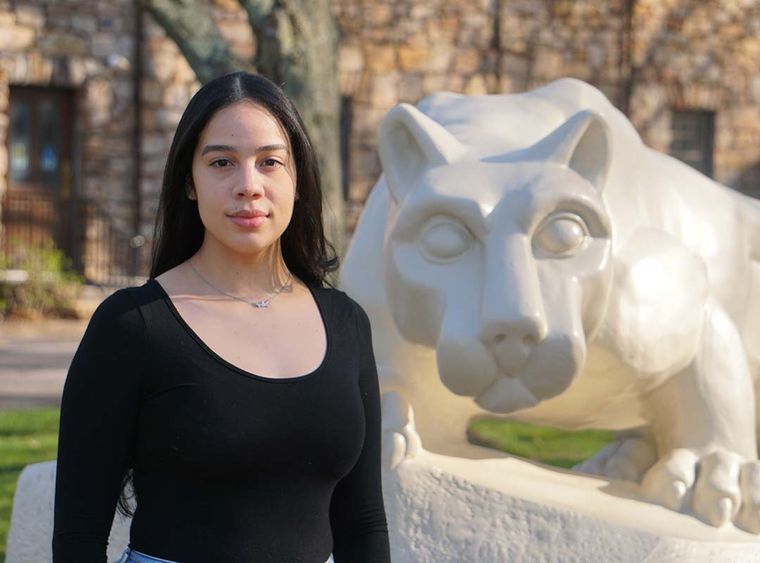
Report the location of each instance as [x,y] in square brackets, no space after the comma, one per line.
[31,532]
[444,509]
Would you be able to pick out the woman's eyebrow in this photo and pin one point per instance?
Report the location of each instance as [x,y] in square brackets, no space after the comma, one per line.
[227,148]
[221,148]
[274,147]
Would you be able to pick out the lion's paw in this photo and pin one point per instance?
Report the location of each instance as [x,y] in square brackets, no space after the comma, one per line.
[626,459]
[718,488]
[400,439]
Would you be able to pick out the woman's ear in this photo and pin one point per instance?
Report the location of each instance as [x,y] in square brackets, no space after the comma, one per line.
[190,190]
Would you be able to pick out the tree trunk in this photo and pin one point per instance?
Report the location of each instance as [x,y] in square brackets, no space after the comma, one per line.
[296,47]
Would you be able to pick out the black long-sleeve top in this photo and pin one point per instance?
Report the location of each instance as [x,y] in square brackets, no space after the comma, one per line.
[228,466]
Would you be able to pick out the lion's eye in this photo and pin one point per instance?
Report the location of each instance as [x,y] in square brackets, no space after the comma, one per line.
[562,235]
[444,241]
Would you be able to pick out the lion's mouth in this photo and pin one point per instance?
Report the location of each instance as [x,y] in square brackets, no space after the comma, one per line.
[505,395]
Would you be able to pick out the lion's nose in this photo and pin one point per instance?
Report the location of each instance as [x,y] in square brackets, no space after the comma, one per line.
[527,329]
[514,324]
[511,315]
[527,341]
[512,346]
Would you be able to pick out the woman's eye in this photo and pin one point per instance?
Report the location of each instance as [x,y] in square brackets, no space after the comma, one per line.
[271,162]
[562,235]
[221,163]
[445,241]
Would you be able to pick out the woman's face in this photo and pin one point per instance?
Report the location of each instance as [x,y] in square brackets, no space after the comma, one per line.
[244,179]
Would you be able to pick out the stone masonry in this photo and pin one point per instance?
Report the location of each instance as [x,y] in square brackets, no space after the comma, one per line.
[648,56]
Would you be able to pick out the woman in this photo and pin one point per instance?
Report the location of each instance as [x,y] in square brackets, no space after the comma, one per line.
[239,392]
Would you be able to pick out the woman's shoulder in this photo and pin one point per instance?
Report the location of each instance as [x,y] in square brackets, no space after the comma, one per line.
[124,307]
[339,302]
[131,297]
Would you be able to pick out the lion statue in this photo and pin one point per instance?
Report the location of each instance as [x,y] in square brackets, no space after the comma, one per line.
[526,255]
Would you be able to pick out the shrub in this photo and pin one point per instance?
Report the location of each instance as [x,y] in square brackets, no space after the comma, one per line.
[50,288]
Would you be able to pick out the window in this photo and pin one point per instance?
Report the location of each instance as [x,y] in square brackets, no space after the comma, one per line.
[37,143]
[693,134]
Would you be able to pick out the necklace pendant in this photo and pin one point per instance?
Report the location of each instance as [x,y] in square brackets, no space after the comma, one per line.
[262,304]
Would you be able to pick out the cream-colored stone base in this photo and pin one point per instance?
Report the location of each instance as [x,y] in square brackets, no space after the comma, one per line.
[443,509]
[31,532]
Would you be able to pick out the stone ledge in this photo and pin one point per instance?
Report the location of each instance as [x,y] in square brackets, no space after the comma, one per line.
[31,533]
[443,509]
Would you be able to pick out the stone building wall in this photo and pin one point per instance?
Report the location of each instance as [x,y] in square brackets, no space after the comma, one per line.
[546,40]
[88,47]
[4,123]
[393,52]
[703,56]
[167,85]
[78,45]
[402,51]
[648,56]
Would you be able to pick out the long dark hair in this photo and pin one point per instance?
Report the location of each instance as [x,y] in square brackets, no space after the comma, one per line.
[179,232]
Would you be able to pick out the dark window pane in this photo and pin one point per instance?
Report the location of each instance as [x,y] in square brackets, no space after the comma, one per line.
[49,143]
[693,139]
[20,152]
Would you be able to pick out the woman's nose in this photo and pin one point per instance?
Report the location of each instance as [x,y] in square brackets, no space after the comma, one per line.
[250,184]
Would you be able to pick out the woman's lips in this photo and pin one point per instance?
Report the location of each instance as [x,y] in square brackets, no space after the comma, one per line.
[248,221]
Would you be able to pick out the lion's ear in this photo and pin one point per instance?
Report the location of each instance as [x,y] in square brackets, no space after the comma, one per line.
[583,143]
[409,143]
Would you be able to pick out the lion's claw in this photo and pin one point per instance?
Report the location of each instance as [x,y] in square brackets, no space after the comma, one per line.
[400,439]
[719,487]
[749,483]
[670,479]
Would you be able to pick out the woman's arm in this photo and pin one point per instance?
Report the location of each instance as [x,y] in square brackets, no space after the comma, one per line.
[98,413]
[357,513]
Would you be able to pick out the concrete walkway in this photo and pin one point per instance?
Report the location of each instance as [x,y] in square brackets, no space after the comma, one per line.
[34,359]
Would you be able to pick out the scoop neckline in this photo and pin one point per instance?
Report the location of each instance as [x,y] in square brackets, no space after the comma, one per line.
[215,356]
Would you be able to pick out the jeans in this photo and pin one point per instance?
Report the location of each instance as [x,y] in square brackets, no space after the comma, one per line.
[132,556]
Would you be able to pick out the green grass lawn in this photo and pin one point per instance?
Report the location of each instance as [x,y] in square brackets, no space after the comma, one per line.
[26,437]
[538,443]
[30,436]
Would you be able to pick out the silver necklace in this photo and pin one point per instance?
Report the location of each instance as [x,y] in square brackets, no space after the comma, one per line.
[255,303]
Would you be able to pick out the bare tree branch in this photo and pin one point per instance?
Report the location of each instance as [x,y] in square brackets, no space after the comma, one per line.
[191,27]
[257,11]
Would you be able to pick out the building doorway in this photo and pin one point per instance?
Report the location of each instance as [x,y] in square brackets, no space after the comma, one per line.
[38,202]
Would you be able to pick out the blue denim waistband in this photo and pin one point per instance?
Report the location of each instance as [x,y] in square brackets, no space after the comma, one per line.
[132,556]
